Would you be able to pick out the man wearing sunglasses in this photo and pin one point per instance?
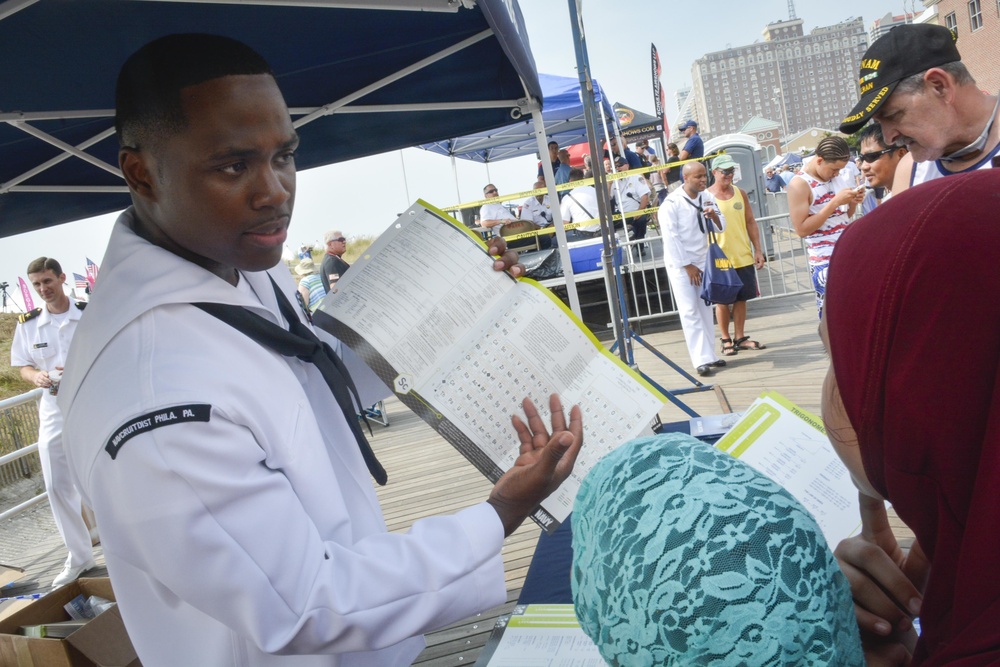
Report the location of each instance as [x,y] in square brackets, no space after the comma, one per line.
[878,164]
[494,215]
[333,267]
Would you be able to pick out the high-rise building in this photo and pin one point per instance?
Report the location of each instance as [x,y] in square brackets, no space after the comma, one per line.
[977,24]
[886,23]
[802,80]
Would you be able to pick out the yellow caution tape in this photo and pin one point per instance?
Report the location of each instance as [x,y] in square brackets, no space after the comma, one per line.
[583,223]
[575,184]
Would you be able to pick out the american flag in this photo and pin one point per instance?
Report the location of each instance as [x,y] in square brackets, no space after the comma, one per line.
[81,284]
[91,273]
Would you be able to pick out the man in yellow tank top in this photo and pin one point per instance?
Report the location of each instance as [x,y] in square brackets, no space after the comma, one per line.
[741,243]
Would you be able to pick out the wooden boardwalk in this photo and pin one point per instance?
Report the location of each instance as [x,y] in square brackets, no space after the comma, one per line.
[427,476]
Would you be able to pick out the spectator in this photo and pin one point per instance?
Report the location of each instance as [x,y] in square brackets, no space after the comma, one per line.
[493,215]
[611,147]
[671,175]
[536,209]
[580,204]
[818,213]
[226,463]
[310,284]
[878,163]
[741,243]
[686,556]
[588,166]
[911,404]
[562,173]
[915,85]
[774,182]
[41,342]
[694,147]
[656,179]
[333,266]
[553,158]
[786,174]
[634,197]
[685,218]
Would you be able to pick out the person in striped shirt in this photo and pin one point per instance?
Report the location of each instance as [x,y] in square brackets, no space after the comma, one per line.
[819,211]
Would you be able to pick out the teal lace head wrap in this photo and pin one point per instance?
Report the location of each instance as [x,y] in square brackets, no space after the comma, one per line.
[683,555]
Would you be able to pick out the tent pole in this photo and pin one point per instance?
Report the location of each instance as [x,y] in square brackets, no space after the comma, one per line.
[557,221]
[600,183]
[454,172]
[406,185]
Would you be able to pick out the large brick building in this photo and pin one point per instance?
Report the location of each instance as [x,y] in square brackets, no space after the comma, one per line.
[978,25]
[800,80]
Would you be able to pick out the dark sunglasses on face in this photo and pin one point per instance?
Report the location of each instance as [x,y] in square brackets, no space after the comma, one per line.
[491,191]
[871,157]
[728,172]
[340,240]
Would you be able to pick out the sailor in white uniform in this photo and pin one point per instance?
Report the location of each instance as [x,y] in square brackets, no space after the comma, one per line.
[41,343]
[238,521]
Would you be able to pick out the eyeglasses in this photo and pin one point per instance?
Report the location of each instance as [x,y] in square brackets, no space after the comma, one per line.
[871,157]
[728,172]
[340,240]
[491,191]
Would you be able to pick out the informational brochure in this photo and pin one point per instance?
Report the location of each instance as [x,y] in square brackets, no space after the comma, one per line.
[789,445]
[462,345]
[540,635]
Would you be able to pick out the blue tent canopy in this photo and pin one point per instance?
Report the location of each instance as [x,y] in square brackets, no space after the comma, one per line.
[562,114]
[360,78]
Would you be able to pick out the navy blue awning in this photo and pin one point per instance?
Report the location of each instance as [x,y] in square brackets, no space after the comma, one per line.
[344,71]
[562,115]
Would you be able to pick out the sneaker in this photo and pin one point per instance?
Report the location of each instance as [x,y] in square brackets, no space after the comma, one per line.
[71,574]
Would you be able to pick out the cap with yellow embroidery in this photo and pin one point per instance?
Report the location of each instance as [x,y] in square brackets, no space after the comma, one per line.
[904,51]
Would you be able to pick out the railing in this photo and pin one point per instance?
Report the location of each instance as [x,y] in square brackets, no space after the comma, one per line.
[647,291]
[18,445]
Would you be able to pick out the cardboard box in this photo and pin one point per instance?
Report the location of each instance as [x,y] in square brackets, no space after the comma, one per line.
[586,255]
[9,574]
[102,642]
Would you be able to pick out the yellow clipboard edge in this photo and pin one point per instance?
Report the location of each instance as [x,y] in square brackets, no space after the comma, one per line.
[813,420]
[590,335]
[455,223]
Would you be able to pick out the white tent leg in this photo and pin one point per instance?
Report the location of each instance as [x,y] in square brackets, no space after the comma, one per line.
[550,183]
[454,172]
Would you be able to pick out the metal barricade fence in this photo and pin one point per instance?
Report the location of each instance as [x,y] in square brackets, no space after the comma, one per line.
[647,291]
[19,443]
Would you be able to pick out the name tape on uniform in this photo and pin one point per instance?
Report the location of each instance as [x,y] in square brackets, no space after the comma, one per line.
[175,414]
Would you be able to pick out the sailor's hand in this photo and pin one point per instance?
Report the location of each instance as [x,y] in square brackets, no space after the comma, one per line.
[42,379]
[506,259]
[545,461]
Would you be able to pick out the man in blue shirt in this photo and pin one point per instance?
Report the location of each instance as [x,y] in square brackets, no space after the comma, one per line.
[694,147]
[774,182]
[612,148]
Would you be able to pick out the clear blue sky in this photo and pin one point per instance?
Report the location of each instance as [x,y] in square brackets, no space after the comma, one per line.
[363,196]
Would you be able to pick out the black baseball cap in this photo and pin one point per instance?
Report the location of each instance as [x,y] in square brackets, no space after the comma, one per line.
[904,51]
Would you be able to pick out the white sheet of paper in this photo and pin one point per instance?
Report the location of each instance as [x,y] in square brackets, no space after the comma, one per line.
[471,343]
[789,445]
[545,636]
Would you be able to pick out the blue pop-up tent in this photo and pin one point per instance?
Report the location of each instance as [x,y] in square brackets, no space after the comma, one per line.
[562,115]
[360,77]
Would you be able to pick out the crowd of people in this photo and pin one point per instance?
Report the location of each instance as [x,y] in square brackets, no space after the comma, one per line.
[238,521]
